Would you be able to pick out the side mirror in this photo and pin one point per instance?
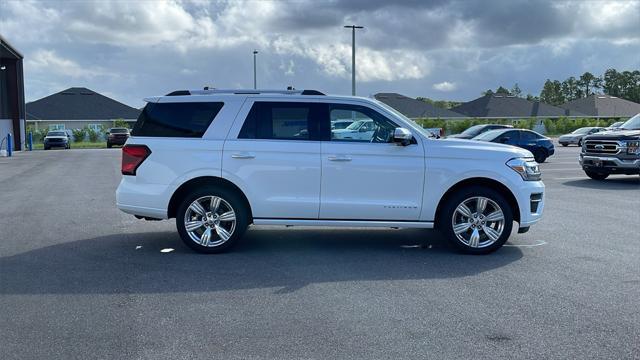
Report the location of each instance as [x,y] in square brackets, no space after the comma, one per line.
[504,140]
[402,136]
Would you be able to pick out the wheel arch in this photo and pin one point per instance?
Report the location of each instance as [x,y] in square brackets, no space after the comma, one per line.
[194,183]
[480,181]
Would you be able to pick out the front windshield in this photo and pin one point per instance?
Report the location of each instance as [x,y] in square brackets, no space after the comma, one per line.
[57,133]
[489,135]
[119,131]
[581,131]
[632,124]
[474,130]
[355,125]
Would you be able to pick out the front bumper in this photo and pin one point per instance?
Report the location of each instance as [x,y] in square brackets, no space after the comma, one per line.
[117,141]
[610,165]
[531,202]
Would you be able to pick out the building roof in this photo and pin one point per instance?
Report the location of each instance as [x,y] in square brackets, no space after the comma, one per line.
[413,108]
[79,103]
[506,106]
[603,106]
[7,51]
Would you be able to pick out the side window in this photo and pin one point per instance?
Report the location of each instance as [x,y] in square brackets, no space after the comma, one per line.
[185,119]
[366,125]
[281,121]
[528,136]
[513,135]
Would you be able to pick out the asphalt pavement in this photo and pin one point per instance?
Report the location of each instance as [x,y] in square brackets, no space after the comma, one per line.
[81,280]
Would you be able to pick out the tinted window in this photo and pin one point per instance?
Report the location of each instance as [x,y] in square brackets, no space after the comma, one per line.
[528,135]
[119,131]
[176,119]
[281,120]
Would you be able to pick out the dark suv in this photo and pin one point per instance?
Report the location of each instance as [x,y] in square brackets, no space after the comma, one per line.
[612,152]
[117,136]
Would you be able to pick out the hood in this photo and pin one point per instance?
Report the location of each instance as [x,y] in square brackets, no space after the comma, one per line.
[619,134]
[570,136]
[472,149]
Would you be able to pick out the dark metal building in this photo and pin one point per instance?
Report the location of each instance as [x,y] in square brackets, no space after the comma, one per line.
[12,108]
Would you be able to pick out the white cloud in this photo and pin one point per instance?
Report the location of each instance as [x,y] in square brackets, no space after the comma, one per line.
[47,61]
[445,86]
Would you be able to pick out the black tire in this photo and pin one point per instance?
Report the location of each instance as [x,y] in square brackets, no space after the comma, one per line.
[596,175]
[540,156]
[445,220]
[109,146]
[238,206]
[68,146]
[565,145]
[579,143]
[46,148]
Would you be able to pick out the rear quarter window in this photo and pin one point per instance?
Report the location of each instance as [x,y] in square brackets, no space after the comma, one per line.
[184,119]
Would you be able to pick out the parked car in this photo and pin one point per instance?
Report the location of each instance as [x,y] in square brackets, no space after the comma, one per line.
[358,130]
[615,126]
[476,130]
[57,138]
[540,146]
[576,136]
[615,152]
[220,160]
[117,136]
[340,124]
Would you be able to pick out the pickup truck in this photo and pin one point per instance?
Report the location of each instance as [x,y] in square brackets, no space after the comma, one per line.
[612,152]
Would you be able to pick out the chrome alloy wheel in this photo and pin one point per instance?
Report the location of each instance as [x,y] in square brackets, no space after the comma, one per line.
[478,222]
[210,221]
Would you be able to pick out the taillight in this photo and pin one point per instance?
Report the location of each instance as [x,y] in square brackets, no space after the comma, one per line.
[132,157]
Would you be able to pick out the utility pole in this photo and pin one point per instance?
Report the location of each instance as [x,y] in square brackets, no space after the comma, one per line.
[353,56]
[255,82]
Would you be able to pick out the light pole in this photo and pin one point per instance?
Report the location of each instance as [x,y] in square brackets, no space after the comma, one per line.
[353,56]
[255,83]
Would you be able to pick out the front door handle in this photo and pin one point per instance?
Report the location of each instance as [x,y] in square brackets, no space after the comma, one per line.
[243,155]
[339,158]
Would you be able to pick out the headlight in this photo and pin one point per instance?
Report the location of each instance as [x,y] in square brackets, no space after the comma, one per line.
[526,167]
[633,147]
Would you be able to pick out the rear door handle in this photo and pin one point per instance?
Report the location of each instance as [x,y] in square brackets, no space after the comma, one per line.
[243,155]
[339,158]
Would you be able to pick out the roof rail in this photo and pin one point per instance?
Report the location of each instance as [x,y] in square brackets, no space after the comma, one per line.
[208,91]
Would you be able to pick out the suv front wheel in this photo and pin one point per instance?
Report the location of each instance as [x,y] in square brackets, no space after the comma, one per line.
[476,220]
[211,220]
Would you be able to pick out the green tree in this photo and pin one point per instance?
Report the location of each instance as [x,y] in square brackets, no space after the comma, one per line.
[502,90]
[532,98]
[515,90]
[552,93]
[570,89]
[120,123]
[589,83]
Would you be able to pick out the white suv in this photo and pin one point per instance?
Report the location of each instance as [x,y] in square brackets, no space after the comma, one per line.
[220,160]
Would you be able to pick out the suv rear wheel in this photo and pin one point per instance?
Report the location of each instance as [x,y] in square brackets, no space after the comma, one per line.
[212,220]
[476,220]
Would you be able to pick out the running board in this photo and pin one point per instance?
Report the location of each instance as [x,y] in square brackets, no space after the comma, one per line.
[345,223]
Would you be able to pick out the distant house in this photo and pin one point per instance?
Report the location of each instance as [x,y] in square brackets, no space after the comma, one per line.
[413,108]
[76,108]
[509,106]
[12,120]
[603,106]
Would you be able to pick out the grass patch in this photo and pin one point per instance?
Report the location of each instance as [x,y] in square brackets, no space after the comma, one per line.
[79,145]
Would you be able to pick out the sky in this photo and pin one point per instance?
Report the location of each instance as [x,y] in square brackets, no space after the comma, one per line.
[449,50]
